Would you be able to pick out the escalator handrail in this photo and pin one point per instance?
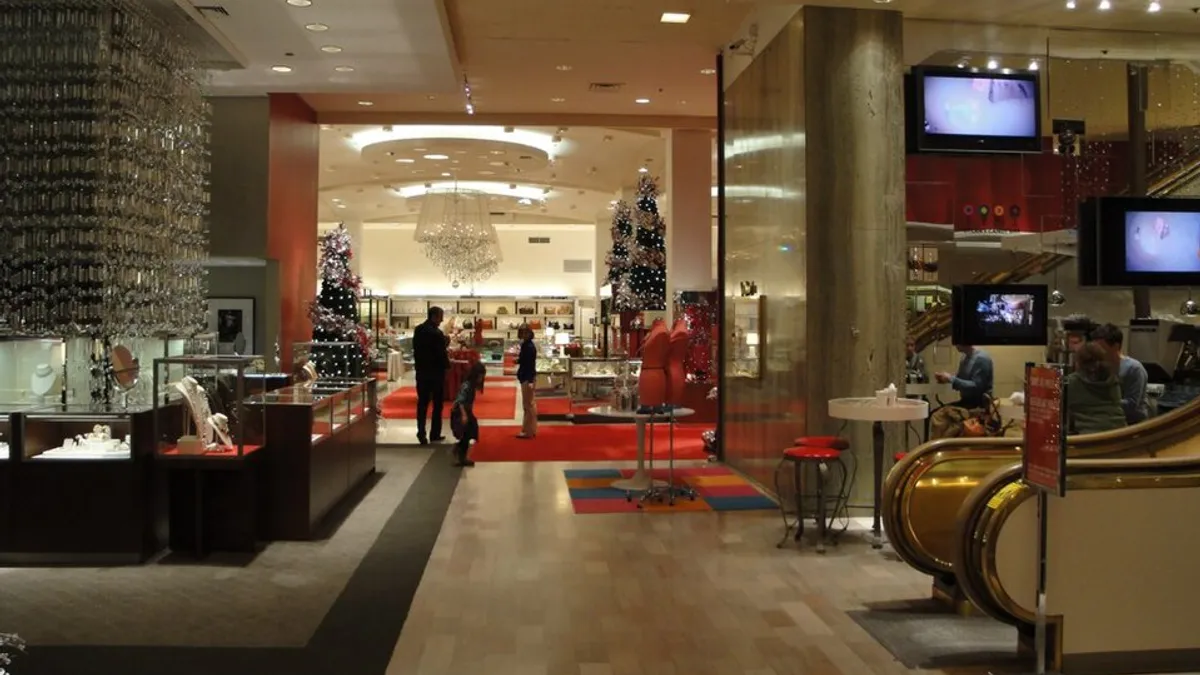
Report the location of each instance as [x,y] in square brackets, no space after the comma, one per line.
[1146,438]
[997,497]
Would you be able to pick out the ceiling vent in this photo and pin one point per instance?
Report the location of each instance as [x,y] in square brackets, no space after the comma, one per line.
[539,240]
[212,9]
[606,87]
[577,266]
[495,213]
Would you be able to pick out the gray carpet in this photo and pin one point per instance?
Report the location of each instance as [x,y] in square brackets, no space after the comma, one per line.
[924,634]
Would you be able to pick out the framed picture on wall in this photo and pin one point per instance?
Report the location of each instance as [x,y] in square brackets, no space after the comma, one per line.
[232,319]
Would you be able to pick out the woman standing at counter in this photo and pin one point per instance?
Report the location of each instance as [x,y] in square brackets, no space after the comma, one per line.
[527,380]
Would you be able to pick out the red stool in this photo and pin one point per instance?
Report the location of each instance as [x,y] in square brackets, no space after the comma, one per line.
[800,456]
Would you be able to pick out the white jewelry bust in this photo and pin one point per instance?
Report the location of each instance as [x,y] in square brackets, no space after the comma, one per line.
[220,426]
[196,400]
[43,379]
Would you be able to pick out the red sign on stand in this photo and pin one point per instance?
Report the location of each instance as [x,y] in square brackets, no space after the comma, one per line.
[1044,460]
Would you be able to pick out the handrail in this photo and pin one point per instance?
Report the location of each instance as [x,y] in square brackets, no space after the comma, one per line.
[1148,438]
[990,505]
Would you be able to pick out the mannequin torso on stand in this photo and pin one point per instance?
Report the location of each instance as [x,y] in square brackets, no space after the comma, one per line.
[652,382]
[676,377]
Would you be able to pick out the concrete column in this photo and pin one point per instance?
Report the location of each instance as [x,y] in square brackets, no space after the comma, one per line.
[855,240]
[357,245]
[688,187]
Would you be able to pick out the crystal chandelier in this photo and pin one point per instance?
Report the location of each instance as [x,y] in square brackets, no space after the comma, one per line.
[456,232]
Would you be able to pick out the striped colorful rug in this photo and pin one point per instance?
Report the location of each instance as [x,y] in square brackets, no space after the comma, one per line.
[719,489]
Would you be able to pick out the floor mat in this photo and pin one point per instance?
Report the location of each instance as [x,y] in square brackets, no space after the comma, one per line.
[591,443]
[924,634]
[495,403]
[719,489]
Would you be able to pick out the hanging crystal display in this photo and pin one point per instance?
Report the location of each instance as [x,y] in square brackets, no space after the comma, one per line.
[103,188]
[455,230]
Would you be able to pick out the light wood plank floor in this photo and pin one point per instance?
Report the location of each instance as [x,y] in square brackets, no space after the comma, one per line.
[519,585]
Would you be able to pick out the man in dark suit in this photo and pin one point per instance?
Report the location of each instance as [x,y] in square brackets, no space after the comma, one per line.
[431,360]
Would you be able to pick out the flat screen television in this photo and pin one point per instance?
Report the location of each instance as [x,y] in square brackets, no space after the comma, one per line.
[955,110]
[1139,241]
[984,315]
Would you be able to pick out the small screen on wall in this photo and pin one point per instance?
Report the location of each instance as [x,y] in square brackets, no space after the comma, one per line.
[1162,242]
[980,106]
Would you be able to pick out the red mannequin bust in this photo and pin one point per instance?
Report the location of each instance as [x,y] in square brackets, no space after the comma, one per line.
[652,382]
[676,377]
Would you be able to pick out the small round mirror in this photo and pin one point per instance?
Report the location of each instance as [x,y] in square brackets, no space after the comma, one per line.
[125,368]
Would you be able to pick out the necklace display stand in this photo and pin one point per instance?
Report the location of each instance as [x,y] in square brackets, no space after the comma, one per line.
[197,403]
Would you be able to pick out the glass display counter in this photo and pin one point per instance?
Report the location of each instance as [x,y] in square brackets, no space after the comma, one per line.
[321,446]
[589,378]
[32,370]
[203,413]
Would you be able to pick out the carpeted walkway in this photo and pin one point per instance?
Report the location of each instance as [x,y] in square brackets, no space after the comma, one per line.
[590,443]
[495,403]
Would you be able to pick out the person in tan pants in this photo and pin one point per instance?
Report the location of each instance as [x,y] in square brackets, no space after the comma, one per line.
[527,379]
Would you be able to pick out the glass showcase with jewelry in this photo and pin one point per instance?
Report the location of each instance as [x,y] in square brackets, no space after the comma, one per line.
[204,412]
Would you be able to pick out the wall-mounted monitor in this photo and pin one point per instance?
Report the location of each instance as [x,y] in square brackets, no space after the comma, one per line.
[1139,241]
[955,110]
[999,315]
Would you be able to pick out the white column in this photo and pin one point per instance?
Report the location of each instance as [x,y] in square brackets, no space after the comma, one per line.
[688,191]
[357,245]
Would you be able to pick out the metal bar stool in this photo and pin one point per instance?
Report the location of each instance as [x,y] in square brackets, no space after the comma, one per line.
[821,451]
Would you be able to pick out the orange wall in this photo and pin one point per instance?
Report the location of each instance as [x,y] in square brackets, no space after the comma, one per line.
[292,214]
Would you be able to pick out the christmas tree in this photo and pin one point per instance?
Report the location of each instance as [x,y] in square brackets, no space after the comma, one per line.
[618,255]
[647,285]
[340,343]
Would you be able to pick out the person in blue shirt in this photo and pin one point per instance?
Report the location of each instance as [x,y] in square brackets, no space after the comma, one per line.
[973,382]
[527,380]
[462,417]
[1135,402]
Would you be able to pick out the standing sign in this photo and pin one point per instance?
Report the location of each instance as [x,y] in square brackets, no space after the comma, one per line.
[1044,461]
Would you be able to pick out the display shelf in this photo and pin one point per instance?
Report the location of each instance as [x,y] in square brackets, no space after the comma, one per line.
[507,314]
[321,447]
[100,509]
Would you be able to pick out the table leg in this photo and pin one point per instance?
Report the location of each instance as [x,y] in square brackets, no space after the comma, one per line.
[640,480]
[876,529]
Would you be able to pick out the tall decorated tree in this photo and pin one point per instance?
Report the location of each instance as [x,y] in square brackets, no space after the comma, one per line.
[341,345]
[648,251]
[618,255]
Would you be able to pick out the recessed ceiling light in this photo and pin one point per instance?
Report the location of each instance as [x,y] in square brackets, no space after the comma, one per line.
[405,160]
[675,17]
[487,173]
[317,27]
[1006,71]
[325,127]
[641,101]
[300,3]
[563,67]
[643,170]
[557,99]
[1034,65]
[496,163]
[282,69]
[1155,6]
[1105,5]
[708,71]
[1070,4]
[366,103]
[437,157]
[446,174]
[344,69]
[341,206]
[992,64]
[331,49]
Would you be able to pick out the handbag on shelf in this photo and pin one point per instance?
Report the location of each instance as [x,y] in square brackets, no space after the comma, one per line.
[525,310]
[502,310]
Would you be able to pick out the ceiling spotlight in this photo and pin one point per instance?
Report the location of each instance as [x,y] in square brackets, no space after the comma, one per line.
[992,64]
[961,64]
[366,103]
[344,69]
[563,67]
[282,69]
[300,3]
[1105,5]
[708,71]
[675,17]
[643,170]
[641,101]
[317,27]
[525,201]
[557,99]
[405,160]
[1070,4]
[1006,71]
[437,157]
[331,49]
[340,206]
[1034,65]
[446,174]
[1155,6]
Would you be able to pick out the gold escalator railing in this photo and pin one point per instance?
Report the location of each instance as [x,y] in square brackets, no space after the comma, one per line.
[924,491]
[987,509]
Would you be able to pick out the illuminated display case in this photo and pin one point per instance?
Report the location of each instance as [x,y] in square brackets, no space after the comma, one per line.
[321,446]
[589,378]
[202,413]
[32,370]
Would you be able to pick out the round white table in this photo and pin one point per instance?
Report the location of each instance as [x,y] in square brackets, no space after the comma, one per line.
[871,410]
[640,481]
[395,366]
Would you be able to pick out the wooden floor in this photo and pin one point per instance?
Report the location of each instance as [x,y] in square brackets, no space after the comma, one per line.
[518,584]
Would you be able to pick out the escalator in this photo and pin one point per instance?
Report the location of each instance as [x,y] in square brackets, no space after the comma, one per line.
[925,491]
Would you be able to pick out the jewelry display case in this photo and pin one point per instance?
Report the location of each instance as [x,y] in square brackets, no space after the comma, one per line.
[321,446]
[83,488]
[588,377]
[747,354]
[203,413]
[32,370]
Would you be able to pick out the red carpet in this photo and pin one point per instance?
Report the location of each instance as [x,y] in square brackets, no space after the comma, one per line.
[495,403]
[584,443]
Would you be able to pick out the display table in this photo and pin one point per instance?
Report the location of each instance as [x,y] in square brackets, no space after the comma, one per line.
[640,481]
[870,410]
[395,366]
